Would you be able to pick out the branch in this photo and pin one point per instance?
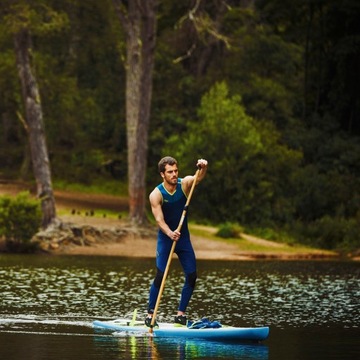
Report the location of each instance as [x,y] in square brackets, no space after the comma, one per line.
[22,120]
[121,12]
[186,56]
[203,24]
[190,15]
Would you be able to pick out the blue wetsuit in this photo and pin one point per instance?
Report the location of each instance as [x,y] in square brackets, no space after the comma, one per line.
[172,207]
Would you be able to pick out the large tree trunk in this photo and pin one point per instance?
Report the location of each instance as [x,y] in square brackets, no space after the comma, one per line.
[139,23]
[35,127]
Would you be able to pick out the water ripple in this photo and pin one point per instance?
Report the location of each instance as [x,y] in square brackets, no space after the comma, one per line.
[241,294]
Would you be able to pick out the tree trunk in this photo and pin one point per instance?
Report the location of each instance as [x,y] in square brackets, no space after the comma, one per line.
[35,127]
[140,25]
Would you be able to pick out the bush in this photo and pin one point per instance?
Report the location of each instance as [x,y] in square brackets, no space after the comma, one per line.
[229,230]
[20,219]
[333,233]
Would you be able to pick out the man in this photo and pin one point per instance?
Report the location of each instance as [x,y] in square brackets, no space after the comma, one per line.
[167,202]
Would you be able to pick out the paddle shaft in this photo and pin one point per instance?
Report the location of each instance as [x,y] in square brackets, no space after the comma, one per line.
[183,215]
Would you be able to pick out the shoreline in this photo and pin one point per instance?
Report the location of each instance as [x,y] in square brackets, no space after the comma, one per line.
[79,235]
[113,237]
[103,235]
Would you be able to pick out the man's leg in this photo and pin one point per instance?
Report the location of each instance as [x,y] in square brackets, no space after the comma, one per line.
[154,290]
[188,262]
[162,254]
[187,291]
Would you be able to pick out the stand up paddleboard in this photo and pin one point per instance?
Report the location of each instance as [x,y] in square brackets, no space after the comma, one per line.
[168,330]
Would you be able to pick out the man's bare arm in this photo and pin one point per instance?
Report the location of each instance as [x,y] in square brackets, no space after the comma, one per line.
[187,181]
[155,202]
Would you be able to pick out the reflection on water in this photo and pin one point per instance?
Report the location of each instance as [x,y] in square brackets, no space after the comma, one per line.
[72,338]
[146,347]
[59,297]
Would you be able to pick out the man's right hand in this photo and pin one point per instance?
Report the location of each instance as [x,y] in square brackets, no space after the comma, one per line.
[174,235]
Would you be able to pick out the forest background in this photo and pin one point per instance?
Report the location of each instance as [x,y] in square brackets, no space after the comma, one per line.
[267,91]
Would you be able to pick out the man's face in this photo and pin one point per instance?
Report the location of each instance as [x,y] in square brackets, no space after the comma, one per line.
[171,174]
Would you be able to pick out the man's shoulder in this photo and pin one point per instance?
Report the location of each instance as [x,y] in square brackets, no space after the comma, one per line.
[186,183]
[155,193]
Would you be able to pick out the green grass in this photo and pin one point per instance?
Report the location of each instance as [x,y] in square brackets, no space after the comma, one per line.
[248,246]
[109,187]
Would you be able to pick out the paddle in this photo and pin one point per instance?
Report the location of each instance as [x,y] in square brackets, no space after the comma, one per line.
[172,251]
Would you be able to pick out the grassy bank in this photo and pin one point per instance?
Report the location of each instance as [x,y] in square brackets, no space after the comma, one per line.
[257,247]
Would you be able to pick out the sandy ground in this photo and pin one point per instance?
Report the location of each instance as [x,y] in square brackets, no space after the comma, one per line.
[137,246]
[74,208]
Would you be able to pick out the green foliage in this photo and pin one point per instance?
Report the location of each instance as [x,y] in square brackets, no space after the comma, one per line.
[281,235]
[84,164]
[229,230]
[250,171]
[264,68]
[228,139]
[331,233]
[328,183]
[222,123]
[20,219]
[37,16]
[97,186]
[80,80]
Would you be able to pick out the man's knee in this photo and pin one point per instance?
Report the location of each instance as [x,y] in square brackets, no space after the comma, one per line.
[158,278]
[191,279]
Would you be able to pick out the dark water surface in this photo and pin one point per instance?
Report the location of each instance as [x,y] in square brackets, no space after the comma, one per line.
[47,305]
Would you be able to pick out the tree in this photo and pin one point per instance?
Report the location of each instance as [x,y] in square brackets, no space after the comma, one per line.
[139,21]
[34,126]
[249,166]
[227,137]
[21,20]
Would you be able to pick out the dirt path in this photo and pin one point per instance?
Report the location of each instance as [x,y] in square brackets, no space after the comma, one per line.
[137,246]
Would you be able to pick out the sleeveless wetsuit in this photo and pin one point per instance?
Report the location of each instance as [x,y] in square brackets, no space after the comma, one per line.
[172,207]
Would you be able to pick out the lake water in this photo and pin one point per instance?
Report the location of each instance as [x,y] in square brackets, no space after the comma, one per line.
[47,305]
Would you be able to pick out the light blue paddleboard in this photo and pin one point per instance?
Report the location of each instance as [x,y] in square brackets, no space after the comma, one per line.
[167,330]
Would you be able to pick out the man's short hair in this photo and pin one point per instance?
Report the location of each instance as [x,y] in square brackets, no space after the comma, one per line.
[167,160]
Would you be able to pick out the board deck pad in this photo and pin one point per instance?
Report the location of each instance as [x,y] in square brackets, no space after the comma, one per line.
[167,330]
